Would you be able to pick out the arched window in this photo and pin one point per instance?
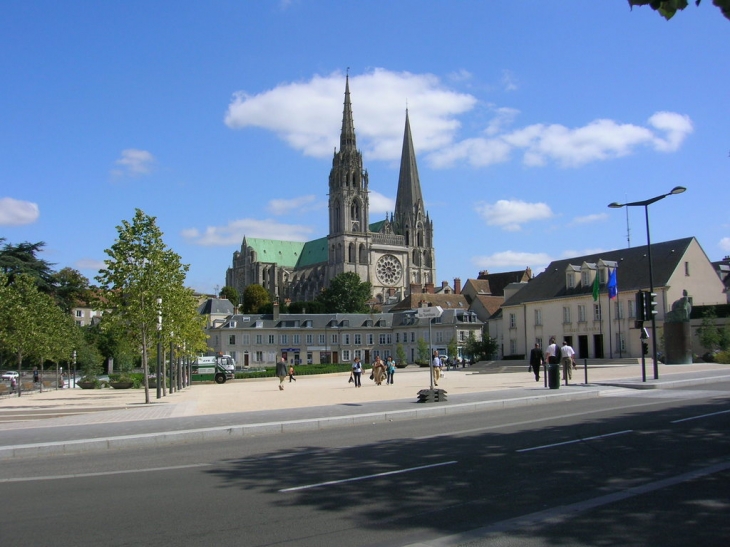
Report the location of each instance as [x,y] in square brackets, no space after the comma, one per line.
[416,257]
[351,253]
[363,254]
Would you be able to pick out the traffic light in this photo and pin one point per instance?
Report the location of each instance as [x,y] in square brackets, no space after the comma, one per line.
[650,303]
[645,348]
[641,306]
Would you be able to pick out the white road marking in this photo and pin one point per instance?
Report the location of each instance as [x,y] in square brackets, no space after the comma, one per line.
[701,416]
[365,477]
[575,441]
[103,473]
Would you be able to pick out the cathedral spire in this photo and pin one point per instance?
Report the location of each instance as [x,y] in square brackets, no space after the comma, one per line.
[409,200]
[347,135]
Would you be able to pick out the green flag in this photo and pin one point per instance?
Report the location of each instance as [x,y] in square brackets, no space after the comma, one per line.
[596,287]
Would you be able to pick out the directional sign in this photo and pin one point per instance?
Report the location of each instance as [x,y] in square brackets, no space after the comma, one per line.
[429,313]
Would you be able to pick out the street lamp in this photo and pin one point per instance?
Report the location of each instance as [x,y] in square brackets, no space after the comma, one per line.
[159,348]
[645,204]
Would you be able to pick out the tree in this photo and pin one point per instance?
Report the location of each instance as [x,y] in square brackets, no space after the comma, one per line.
[139,271]
[231,294]
[400,355]
[254,296]
[667,8]
[346,294]
[22,259]
[712,336]
[71,288]
[423,352]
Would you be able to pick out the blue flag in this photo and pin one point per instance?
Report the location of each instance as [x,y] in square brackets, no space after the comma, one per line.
[612,285]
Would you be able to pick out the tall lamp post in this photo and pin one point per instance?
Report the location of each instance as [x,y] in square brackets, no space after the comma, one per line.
[645,204]
[159,348]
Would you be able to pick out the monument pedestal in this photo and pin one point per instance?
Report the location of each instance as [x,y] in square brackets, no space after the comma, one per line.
[678,343]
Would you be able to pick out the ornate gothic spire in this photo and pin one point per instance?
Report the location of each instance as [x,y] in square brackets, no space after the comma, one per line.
[347,135]
[409,199]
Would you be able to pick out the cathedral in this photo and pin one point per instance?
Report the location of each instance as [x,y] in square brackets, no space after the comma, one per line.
[395,254]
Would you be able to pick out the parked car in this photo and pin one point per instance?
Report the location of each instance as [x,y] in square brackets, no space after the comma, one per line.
[9,375]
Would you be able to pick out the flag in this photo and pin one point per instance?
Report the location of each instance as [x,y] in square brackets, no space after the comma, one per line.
[596,287]
[612,285]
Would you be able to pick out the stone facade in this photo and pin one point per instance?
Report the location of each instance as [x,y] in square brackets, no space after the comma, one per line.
[392,254]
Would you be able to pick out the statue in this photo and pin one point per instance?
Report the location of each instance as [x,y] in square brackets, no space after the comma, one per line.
[680,310]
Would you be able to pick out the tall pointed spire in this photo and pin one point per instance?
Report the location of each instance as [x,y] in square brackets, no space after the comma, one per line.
[347,135]
[409,198]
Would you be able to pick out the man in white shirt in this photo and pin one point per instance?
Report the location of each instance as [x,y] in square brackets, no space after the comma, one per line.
[567,357]
[436,368]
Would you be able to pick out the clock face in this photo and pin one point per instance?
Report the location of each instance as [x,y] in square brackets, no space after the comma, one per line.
[389,270]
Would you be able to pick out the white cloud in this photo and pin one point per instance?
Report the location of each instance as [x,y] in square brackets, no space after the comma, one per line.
[307,115]
[134,163]
[380,204]
[513,259]
[301,204]
[511,214]
[14,212]
[598,217]
[233,232]
[509,83]
[724,244]
[90,264]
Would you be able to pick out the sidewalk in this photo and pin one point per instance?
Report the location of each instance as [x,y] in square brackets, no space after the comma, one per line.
[50,422]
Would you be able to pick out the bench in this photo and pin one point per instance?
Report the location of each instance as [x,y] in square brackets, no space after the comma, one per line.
[4,389]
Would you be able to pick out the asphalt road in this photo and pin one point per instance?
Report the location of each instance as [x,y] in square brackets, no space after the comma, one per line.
[642,468]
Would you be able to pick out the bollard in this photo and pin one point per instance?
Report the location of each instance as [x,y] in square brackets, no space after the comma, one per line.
[585,370]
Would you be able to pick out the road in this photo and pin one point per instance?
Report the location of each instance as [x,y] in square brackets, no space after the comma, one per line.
[637,468]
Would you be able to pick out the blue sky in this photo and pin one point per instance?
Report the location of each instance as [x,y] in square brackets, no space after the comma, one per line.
[220,119]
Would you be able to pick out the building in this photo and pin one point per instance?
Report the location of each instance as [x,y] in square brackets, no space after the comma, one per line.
[392,253]
[259,340]
[559,302]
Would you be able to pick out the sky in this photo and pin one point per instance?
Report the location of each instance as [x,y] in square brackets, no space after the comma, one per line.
[220,119]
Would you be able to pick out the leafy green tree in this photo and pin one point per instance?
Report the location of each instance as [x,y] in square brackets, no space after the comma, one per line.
[712,336]
[423,352]
[22,259]
[452,348]
[71,288]
[254,297]
[139,271]
[400,354]
[346,294]
[306,307]
[231,294]
[667,8]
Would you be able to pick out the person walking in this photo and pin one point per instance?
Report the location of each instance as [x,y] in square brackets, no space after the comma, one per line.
[281,372]
[378,371]
[291,374]
[357,371]
[567,357]
[536,361]
[436,368]
[552,353]
[390,370]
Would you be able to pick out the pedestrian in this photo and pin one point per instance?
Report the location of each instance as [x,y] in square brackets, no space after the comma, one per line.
[536,361]
[357,371]
[13,384]
[552,353]
[390,369]
[281,372]
[436,368]
[291,374]
[378,371]
[567,356]
[36,375]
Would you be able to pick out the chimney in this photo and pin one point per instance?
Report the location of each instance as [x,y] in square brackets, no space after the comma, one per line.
[276,311]
[429,288]
[416,288]
[457,285]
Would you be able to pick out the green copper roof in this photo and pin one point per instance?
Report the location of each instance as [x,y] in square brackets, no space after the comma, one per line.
[290,254]
[376,226]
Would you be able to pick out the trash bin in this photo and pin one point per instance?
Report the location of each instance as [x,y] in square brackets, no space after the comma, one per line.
[553,376]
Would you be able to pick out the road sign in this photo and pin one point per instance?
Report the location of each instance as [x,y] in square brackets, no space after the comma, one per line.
[426,313]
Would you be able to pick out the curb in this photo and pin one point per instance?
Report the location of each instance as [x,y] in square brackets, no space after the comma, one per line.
[170,438]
